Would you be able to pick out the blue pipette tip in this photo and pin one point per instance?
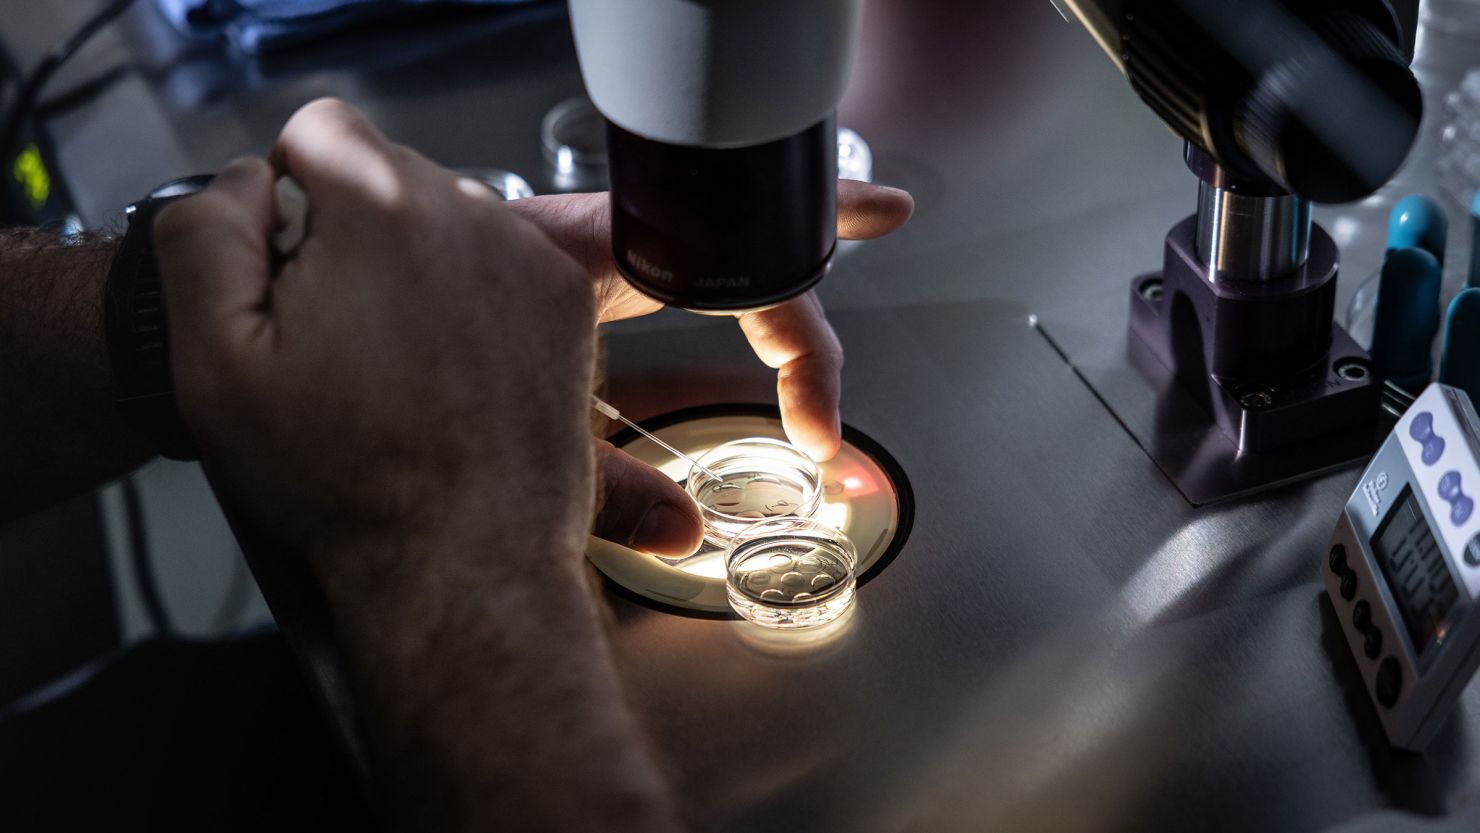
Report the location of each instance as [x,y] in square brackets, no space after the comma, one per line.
[1459,364]
[1407,317]
[1417,221]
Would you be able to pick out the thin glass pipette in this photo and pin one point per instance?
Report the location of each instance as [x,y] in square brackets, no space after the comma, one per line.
[612,413]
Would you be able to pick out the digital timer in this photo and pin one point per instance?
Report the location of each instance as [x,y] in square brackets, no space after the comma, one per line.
[1403,567]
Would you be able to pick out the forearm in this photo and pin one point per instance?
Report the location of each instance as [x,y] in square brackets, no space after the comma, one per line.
[59,429]
[486,688]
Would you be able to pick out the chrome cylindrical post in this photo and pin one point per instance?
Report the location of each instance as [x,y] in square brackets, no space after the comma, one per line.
[1249,237]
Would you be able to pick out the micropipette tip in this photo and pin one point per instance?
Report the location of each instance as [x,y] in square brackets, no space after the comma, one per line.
[609,412]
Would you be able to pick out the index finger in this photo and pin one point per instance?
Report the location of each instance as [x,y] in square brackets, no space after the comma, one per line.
[867,211]
[328,144]
[796,339]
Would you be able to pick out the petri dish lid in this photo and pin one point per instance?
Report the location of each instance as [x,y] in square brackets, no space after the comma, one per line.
[507,184]
[573,136]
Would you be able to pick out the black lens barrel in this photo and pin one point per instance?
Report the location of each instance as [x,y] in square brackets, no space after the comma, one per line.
[724,229]
[1313,97]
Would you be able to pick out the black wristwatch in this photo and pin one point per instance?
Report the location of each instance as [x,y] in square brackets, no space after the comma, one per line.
[137,328]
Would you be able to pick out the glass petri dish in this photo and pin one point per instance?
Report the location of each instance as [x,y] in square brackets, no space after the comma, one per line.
[507,185]
[759,479]
[573,139]
[573,136]
[791,573]
[855,159]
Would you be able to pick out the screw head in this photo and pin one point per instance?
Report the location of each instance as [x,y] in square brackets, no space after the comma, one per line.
[1353,370]
[1151,290]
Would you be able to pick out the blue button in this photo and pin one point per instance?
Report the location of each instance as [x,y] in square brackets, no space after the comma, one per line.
[1422,429]
[1449,486]
[1432,451]
[1460,511]
[1460,506]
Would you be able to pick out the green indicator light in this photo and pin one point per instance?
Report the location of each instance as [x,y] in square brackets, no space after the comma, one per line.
[31,173]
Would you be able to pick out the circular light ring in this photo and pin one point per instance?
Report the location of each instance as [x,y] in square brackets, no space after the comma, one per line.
[866,494]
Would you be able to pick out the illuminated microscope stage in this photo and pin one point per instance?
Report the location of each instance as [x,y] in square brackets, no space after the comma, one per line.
[864,493]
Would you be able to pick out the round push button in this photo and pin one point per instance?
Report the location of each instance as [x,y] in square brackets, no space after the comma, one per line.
[1362,616]
[1460,510]
[1449,486]
[1460,505]
[1422,427]
[1389,682]
[1472,552]
[1337,558]
[1372,643]
[1422,430]
[1349,586]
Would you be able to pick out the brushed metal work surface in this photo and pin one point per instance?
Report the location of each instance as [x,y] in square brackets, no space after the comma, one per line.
[1063,643]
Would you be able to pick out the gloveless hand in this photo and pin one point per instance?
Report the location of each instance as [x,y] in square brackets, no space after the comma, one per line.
[639,506]
[425,356]
[406,400]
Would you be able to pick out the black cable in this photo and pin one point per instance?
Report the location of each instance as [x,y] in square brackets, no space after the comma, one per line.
[84,92]
[138,545]
[16,115]
[25,97]
[9,72]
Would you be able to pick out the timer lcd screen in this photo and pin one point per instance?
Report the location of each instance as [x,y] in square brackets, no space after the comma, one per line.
[1416,570]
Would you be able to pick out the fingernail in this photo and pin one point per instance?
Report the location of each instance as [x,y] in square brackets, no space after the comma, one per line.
[666,529]
[820,446]
[820,453]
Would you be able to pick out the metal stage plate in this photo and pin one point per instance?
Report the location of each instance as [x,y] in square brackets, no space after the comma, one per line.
[1180,437]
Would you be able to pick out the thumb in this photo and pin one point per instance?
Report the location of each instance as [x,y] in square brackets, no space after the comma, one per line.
[639,507]
[214,259]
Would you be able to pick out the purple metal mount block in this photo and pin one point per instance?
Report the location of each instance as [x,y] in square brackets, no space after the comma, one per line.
[1262,358]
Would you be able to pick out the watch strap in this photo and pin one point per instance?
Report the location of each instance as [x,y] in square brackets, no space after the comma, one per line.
[137,326]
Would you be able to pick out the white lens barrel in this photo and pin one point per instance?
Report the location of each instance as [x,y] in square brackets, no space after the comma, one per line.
[716,73]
